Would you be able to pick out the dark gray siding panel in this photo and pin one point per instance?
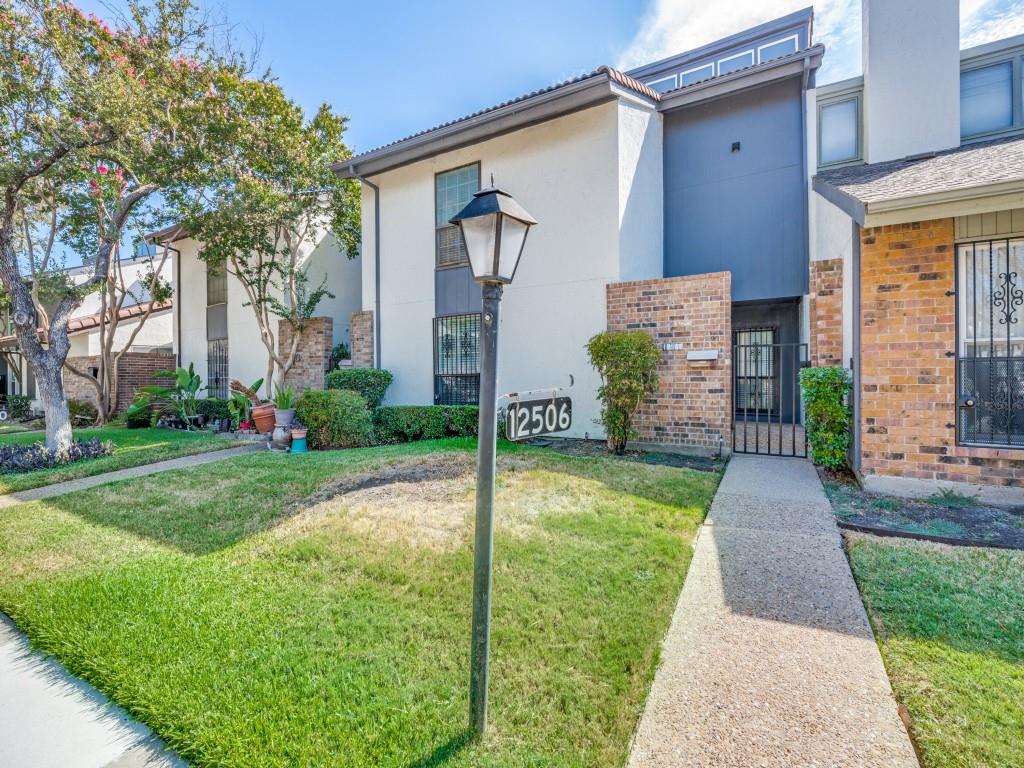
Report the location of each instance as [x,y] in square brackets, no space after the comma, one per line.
[455,292]
[739,211]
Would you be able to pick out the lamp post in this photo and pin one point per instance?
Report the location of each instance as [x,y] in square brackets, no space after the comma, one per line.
[494,228]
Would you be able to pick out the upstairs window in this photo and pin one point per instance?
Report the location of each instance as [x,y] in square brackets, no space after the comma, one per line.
[697,74]
[452,190]
[986,99]
[839,131]
[735,62]
[777,49]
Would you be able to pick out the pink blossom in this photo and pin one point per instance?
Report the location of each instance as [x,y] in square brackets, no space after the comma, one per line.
[103,170]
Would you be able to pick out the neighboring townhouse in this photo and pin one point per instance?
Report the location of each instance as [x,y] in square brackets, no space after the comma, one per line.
[918,250]
[149,347]
[214,327]
[672,197]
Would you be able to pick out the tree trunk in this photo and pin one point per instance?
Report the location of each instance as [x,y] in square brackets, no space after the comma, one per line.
[50,386]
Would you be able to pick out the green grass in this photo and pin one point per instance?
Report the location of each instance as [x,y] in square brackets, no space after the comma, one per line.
[250,629]
[950,624]
[12,427]
[132,447]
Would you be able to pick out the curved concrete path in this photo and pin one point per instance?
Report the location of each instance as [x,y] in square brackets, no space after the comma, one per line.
[70,486]
[770,660]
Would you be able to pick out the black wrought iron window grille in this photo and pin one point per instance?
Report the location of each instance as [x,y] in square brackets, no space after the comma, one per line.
[217,367]
[990,343]
[457,359]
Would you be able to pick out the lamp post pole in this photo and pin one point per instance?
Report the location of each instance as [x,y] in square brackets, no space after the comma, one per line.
[483,548]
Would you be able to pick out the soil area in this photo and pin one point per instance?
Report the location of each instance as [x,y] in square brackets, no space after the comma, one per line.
[575,447]
[944,516]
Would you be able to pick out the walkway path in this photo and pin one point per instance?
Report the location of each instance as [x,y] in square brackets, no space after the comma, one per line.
[770,660]
[49,718]
[59,489]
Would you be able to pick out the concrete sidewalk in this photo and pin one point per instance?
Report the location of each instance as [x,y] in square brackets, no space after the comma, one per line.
[770,660]
[193,460]
[49,718]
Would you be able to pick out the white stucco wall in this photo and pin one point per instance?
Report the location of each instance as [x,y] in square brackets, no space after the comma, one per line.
[157,331]
[344,280]
[566,173]
[190,307]
[911,56]
[641,193]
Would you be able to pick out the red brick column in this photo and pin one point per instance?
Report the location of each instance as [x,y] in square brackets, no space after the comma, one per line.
[826,310]
[361,336]
[692,406]
[313,355]
[908,387]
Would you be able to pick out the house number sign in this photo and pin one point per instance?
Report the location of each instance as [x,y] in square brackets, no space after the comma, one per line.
[532,418]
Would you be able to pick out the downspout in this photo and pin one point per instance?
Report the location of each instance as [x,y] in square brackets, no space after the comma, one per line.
[376,262]
[804,81]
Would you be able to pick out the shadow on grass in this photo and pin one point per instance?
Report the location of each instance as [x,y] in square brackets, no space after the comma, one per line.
[445,752]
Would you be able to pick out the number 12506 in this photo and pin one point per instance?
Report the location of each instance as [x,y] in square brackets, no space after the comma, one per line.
[530,418]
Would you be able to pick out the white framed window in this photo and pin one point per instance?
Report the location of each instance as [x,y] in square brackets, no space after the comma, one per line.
[452,190]
[735,62]
[664,84]
[986,99]
[777,49]
[839,131]
[695,75]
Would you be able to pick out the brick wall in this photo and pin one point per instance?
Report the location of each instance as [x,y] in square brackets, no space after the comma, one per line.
[361,336]
[313,355]
[135,369]
[826,312]
[908,387]
[692,406]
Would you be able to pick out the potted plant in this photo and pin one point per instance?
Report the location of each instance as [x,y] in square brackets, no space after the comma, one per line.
[260,413]
[284,406]
[240,405]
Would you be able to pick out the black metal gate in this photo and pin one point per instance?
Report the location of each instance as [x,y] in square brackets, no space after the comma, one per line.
[766,395]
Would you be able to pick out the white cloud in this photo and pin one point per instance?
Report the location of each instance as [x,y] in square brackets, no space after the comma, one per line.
[674,26]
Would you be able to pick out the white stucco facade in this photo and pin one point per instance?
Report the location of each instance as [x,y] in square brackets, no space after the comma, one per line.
[593,181]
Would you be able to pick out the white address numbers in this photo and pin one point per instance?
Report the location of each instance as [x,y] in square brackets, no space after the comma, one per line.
[531,418]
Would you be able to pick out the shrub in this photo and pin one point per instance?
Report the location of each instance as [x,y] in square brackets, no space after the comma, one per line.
[82,413]
[19,406]
[27,458]
[336,418]
[627,362]
[406,423]
[213,408]
[827,410]
[371,383]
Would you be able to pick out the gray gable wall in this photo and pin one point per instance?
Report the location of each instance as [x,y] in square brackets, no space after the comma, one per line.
[740,211]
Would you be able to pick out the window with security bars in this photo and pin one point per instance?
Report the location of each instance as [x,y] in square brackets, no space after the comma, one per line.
[755,369]
[452,190]
[457,359]
[217,368]
[990,348]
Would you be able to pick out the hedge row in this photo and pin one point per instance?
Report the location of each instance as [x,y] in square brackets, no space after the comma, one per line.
[407,423]
[371,383]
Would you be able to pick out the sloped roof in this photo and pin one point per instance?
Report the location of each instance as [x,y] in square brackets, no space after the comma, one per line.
[86,323]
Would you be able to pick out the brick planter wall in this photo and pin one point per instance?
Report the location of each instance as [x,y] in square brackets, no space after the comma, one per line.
[135,369]
[826,311]
[691,409]
[908,387]
[361,336]
[313,355]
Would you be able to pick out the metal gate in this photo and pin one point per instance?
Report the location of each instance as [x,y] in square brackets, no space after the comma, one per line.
[767,411]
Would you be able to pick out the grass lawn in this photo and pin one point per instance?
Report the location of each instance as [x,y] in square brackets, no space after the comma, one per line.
[12,427]
[950,623]
[132,447]
[314,610]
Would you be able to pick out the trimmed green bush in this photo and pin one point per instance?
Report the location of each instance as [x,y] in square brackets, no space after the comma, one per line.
[627,362]
[19,406]
[213,408]
[406,423]
[371,383]
[825,393]
[82,413]
[336,418]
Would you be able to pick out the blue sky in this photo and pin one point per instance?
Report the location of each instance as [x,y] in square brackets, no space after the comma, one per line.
[401,66]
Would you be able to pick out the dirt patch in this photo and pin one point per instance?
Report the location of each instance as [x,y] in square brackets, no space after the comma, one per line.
[597,448]
[943,517]
[424,501]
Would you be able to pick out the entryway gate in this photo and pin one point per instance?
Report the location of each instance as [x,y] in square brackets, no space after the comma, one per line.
[767,413]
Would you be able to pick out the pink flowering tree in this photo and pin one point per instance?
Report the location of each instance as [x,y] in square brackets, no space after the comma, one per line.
[97,118]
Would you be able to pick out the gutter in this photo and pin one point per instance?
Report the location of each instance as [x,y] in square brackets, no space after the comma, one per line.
[376,260]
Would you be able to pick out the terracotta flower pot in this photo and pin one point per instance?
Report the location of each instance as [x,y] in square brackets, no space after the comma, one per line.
[298,432]
[263,416]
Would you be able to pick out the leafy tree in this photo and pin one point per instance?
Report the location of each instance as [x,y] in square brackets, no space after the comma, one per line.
[627,362]
[95,119]
[273,203]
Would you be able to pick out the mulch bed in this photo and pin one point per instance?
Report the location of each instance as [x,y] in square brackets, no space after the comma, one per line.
[947,519]
[575,447]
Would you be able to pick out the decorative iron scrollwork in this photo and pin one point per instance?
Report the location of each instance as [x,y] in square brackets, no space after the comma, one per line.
[1008,298]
